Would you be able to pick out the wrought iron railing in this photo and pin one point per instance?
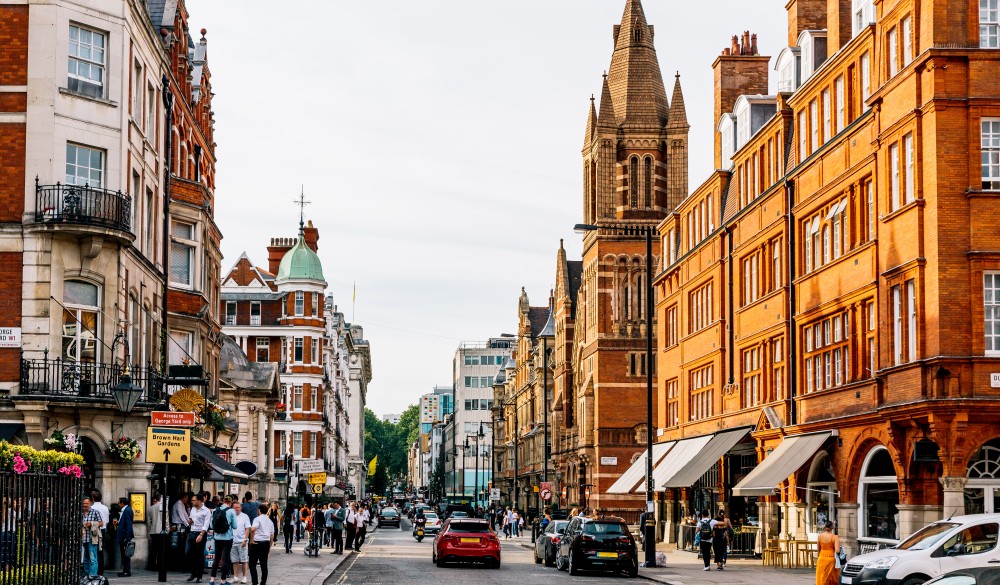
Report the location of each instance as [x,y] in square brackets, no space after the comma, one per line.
[82,205]
[43,546]
[70,378]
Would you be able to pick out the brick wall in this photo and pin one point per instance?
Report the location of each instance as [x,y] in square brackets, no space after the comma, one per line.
[13,45]
[10,310]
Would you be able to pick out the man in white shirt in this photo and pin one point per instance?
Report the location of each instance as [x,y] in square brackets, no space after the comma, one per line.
[105,515]
[261,539]
[179,517]
[240,553]
[200,519]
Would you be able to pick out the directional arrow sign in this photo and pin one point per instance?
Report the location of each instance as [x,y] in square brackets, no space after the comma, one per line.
[168,445]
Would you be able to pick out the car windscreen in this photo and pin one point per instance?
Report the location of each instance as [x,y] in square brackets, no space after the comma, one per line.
[927,537]
[558,527]
[609,528]
[469,527]
[388,512]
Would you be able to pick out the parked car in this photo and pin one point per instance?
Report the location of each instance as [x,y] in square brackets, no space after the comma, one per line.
[977,576]
[466,539]
[958,543]
[388,517]
[604,544]
[548,542]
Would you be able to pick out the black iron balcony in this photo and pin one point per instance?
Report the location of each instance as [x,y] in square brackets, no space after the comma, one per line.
[71,380]
[75,205]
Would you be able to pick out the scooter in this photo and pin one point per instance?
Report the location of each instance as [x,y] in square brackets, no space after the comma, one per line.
[419,534]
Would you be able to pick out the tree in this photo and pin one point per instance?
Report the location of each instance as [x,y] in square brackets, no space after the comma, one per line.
[391,443]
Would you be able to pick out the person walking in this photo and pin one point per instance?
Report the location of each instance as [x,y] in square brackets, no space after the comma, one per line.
[105,513]
[359,532]
[240,553]
[338,516]
[126,533]
[827,572]
[720,540]
[351,526]
[730,535]
[249,510]
[154,517]
[262,535]
[703,538]
[289,526]
[223,523]
[91,536]
[200,519]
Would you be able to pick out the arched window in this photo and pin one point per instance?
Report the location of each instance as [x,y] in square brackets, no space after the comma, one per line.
[647,181]
[639,301]
[633,182]
[821,493]
[81,328]
[878,496]
[982,492]
[626,299]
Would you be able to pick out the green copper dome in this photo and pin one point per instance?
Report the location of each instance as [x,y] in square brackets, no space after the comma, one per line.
[300,263]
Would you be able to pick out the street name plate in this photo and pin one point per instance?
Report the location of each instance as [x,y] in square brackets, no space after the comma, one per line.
[994,380]
[10,337]
[168,445]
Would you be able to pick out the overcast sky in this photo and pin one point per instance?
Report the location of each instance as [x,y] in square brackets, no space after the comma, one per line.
[439,142]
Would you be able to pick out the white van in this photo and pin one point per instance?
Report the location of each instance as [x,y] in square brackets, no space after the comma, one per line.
[961,542]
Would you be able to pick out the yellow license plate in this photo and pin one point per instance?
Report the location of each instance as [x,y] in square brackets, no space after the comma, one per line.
[607,555]
[471,540]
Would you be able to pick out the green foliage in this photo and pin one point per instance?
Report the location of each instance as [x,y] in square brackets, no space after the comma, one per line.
[392,445]
[34,575]
[39,461]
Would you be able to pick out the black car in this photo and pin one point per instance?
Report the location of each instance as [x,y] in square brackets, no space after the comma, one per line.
[388,517]
[977,576]
[548,541]
[603,545]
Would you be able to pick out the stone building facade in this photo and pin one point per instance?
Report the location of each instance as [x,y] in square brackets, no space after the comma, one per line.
[826,301]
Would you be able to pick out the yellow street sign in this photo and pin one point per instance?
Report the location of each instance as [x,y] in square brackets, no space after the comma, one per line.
[168,445]
[317,488]
[316,478]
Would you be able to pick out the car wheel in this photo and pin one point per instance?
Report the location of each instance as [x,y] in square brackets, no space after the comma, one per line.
[538,559]
[633,570]
[495,564]
[440,563]
[573,570]
[559,561]
[550,560]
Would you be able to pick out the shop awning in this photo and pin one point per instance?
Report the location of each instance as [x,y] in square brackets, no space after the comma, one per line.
[221,470]
[705,458]
[634,476]
[791,454]
[683,452]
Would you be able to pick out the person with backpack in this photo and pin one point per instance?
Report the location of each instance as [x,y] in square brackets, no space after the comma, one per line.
[720,540]
[223,523]
[288,526]
[703,538]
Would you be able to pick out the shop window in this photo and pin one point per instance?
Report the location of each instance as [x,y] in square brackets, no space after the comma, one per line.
[878,494]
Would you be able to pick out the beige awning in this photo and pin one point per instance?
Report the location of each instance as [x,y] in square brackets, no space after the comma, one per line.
[791,454]
[683,452]
[634,477]
[705,458]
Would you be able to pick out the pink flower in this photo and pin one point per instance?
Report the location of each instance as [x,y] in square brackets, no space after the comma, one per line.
[20,465]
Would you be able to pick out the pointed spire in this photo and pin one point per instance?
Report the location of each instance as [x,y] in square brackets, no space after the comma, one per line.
[678,115]
[607,118]
[635,78]
[591,122]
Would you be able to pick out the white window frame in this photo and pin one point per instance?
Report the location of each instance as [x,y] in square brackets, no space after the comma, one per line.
[841,107]
[911,328]
[814,125]
[906,28]
[255,318]
[231,316]
[827,116]
[298,350]
[866,79]
[803,137]
[76,164]
[894,202]
[991,311]
[892,48]
[297,443]
[863,14]
[989,24]
[989,139]
[265,344]
[909,184]
[184,244]
[897,325]
[300,303]
[90,56]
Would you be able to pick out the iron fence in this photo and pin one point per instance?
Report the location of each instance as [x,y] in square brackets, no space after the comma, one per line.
[742,544]
[40,534]
[82,205]
[72,378]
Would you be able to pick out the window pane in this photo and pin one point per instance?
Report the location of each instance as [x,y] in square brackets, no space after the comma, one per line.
[80,293]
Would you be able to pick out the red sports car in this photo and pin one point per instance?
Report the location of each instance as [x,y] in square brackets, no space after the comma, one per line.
[467,539]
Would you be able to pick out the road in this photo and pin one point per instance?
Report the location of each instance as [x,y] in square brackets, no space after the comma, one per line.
[394,557]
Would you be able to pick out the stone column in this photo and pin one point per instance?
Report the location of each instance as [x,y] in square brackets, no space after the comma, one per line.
[953,502]
[260,438]
[847,526]
[269,448]
[36,421]
[913,517]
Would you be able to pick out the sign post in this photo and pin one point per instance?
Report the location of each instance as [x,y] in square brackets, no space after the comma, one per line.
[168,445]
[494,494]
[545,490]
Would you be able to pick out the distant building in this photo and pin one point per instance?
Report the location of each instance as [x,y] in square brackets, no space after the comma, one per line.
[391,418]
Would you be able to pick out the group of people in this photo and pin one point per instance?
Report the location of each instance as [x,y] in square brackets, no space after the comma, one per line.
[328,525]
[96,521]
[714,536]
[507,520]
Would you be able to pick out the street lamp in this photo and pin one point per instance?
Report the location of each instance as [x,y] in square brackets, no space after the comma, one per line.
[547,332]
[125,393]
[649,530]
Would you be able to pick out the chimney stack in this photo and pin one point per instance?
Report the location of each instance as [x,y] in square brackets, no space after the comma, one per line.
[740,70]
[806,15]
[838,25]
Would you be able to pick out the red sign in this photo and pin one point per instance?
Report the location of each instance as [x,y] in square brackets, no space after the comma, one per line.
[172,419]
[545,490]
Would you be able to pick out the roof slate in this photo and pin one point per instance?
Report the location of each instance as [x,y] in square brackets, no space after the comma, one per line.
[634,77]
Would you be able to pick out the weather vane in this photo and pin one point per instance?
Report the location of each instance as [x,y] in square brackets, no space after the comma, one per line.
[301,202]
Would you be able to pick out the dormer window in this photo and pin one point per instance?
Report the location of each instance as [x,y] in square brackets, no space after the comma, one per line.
[787,67]
[813,52]
[742,113]
[863,15]
[727,131]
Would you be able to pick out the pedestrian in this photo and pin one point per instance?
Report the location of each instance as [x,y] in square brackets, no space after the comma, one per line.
[337,516]
[518,523]
[731,534]
[179,518]
[703,538]
[303,519]
[223,523]
[125,532]
[351,526]
[240,554]
[319,524]
[262,536]
[328,522]
[508,522]
[250,511]
[200,519]
[827,569]
[154,517]
[91,536]
[720,540]
[289,525]
[105,513]
[359,534]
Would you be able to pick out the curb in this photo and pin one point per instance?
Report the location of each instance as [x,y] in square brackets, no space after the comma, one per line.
[329,569]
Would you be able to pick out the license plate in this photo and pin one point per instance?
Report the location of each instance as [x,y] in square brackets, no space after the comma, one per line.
[607,555]
[846,580]
[471,540]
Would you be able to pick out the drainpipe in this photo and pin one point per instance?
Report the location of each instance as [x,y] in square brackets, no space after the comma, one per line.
[791,351]
[731,304]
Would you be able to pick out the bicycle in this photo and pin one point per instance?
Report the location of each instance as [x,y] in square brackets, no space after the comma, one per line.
[312,546]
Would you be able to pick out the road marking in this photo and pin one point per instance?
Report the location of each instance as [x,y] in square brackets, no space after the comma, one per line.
[354,559]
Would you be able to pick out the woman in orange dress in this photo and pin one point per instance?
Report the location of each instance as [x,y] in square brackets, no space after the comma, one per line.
[827,572]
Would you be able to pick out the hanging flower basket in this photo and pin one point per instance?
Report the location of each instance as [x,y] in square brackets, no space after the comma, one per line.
[124,449]
[62,442]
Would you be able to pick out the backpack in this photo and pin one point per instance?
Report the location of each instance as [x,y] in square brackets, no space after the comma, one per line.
[705,530]
[220,523]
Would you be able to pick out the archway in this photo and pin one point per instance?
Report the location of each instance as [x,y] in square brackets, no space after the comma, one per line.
[982,492]
[878,496]
[92,458]
[821,493]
